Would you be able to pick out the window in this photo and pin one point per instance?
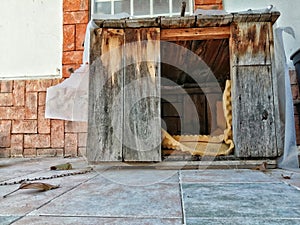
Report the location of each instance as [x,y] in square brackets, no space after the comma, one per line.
[31,39]
[140,8]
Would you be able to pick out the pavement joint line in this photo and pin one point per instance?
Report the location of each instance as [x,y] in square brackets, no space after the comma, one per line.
[105,216]
[181,198]
[230,182]
[65,192]
[245,218]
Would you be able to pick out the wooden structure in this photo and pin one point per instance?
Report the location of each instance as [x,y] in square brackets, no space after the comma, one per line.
[235,46]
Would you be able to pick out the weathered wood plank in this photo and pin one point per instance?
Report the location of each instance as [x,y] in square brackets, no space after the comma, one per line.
[253,115]
[213,20]
[140,23]
[104,142]
[142,128]
[183,34]
[178,22]
[250,43]
[114,23]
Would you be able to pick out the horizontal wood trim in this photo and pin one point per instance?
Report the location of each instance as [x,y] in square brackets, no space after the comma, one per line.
[195,33]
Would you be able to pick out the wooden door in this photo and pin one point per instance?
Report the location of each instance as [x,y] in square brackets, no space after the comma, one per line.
[254,103]
[124,95]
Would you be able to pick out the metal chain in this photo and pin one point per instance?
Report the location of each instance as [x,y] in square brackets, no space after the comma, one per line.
[47,178]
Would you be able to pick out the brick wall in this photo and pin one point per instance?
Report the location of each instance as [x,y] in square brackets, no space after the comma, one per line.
[24,131]
[208,4]
[296,98]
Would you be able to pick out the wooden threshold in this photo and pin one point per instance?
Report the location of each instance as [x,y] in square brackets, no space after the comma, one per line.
[185,165]
[202,33]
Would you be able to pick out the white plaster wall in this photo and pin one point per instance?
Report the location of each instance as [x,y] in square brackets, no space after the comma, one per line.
[290,17]
[30,38]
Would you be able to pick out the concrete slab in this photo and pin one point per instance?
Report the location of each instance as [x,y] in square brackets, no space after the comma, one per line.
[103,198]
[236,200]
[25,201]
[294,175]
[242,221]
[6,220]
[38,220]
[140,177]
[225,176]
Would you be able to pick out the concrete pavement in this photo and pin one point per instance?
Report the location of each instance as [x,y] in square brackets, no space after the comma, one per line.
[148,196]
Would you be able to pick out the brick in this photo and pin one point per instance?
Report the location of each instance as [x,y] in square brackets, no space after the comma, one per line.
[49,152]
[6,99]
[75,5]
[12,113]
[5,136]
[293,76]
[17,145]
[38,85]
[72,57]
[209,7]
[57,81]
[29,152]
[76,17]
[82,137]
[31,105]
[6,86]
[295,91]
[75,127]
[67,68]
[80,36]
[70,144]
[82,151]
[41,98]
[207,2]
[36,141]
[57,134]
[19,93]
[43,123]
[24,126]
[69,37]
[4,152]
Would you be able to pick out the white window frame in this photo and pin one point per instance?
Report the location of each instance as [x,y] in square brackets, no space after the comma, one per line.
[189,11]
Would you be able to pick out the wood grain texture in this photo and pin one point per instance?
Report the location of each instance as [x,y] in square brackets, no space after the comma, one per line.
[254,129]
[251,43]
[195,33]
[142,125]
[104,141]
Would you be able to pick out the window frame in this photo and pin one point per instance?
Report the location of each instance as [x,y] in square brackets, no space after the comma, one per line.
[170,13]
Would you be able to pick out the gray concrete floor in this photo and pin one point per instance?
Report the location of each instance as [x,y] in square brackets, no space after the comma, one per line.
[148,196]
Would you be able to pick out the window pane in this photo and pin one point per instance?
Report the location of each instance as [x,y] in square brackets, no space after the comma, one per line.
[103,7]
[122,6]
[160,6]
[141,7]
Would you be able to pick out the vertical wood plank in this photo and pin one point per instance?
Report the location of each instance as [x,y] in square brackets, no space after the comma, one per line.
[142,128]
[253,112]
[104,141]
[254,102]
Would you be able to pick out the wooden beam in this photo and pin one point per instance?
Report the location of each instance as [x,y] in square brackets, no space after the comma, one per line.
[195,33]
